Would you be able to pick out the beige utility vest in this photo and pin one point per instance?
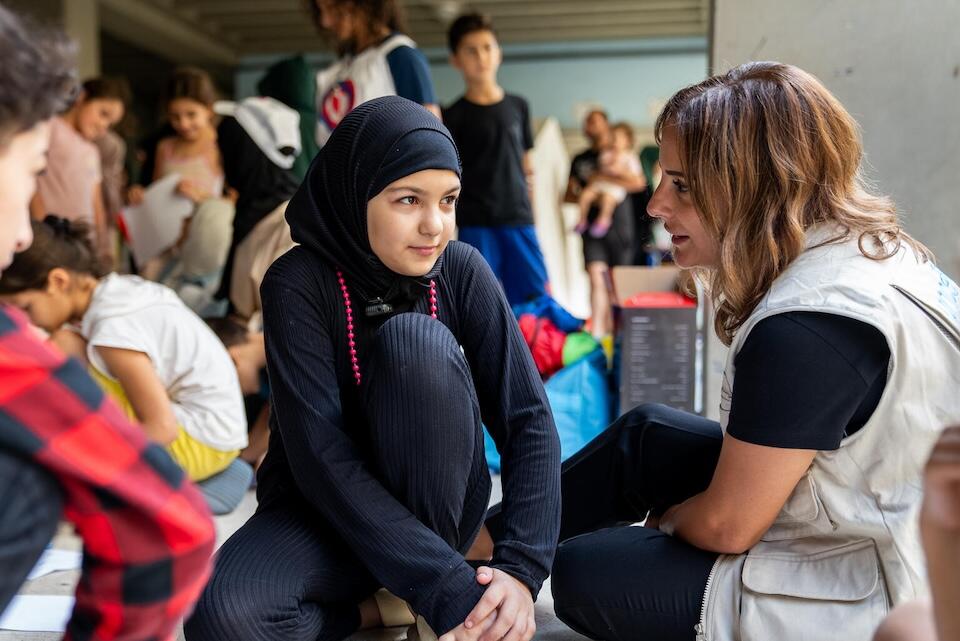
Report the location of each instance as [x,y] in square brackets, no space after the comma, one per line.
[845,548]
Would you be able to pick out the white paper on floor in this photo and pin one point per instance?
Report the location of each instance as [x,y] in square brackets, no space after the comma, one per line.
[37,613]
[56,561]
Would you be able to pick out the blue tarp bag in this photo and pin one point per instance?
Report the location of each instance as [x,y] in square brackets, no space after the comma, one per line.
[546,307]
[580,399]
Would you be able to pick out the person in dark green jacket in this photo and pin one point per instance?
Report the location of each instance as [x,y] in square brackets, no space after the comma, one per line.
[292,82]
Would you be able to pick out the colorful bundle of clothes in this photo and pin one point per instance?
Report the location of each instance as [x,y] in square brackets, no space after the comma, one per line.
[553,335]
[574,369]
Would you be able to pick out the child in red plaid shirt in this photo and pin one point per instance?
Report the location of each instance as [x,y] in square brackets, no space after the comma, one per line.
[65,450]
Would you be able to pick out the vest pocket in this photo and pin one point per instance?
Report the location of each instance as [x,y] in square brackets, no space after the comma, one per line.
[825,594]
[803,515]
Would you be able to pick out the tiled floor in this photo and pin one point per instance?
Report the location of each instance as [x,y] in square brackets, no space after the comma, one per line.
[549,628]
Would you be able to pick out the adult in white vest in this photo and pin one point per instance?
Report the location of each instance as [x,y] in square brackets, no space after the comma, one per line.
[376,60]
[795,517]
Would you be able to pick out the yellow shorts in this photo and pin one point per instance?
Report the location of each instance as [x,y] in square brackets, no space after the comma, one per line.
[198,460]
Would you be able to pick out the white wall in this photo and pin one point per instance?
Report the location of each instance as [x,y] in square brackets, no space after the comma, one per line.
[895,65]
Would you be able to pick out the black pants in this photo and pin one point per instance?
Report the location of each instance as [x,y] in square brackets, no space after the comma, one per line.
[31,505]
[286,574]
[614,582]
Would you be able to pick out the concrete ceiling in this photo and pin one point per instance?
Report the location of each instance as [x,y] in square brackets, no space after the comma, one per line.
[222,31]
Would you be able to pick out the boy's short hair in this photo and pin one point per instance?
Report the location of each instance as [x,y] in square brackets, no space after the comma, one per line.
[230,332]
[467,24]
[37,77]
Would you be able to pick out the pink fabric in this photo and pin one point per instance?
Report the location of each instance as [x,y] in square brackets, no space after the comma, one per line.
[204,169]
[73,172]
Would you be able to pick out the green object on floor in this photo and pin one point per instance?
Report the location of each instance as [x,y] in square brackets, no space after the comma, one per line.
[577,345]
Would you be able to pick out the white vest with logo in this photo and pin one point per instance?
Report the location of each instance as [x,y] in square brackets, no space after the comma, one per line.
[352,81]
[846,547]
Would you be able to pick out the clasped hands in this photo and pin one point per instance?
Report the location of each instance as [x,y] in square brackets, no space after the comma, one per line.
[505,612]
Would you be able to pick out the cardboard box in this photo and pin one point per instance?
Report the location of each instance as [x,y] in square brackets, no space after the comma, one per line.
[661,340]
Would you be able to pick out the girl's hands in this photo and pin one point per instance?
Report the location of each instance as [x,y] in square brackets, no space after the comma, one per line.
[189,190]
[505,612]
[135,194]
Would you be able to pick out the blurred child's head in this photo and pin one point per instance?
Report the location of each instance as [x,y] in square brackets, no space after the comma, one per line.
[37,80]
[52,280]
[622,136]
[245,348]
[474,49]
[102,104]
[188,101]
[344,20]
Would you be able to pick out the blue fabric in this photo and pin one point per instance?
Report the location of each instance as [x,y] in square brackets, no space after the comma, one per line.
[411,75]
[580,400]
[547,307]
[225,490]
[514,255]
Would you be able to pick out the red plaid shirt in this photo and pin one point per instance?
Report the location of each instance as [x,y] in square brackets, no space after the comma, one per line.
[147,533]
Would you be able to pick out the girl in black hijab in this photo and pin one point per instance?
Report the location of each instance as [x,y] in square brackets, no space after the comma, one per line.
[387,345]
[261,186]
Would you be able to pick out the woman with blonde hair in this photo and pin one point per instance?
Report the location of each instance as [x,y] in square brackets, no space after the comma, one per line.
[794,517]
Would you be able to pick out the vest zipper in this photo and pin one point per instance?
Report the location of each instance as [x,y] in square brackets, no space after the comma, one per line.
[701,627]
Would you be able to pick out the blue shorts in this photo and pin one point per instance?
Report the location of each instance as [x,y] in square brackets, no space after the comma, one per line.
[514,255]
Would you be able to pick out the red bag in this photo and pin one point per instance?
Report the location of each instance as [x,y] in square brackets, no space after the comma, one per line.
[545,342]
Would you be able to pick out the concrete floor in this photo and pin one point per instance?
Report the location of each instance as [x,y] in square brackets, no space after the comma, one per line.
[549,628]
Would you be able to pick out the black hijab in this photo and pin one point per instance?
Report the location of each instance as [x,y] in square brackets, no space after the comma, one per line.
[379,142]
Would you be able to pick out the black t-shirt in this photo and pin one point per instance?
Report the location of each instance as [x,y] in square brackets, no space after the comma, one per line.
[492,140]
[805,380]
[584,165]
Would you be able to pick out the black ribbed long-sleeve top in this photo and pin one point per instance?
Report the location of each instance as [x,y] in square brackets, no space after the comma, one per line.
[317,449]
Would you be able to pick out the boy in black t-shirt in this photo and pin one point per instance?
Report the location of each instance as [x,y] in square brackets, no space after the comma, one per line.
[492,130]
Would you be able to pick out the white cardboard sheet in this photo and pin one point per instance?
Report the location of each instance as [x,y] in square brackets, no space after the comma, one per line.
[37,613]
[155,225]
[56,561]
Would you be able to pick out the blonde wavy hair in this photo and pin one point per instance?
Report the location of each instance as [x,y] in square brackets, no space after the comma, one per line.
[768,153]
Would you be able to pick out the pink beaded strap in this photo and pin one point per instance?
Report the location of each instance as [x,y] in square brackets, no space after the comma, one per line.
[351,337]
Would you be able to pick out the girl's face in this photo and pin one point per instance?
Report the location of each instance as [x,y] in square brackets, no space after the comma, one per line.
[96,116]
[52,307]
[411,221]
[22,158]
[337,18]
[189,118]
[693,246]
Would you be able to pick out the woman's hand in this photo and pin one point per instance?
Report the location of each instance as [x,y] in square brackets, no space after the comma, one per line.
[941,481]
[504,612]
